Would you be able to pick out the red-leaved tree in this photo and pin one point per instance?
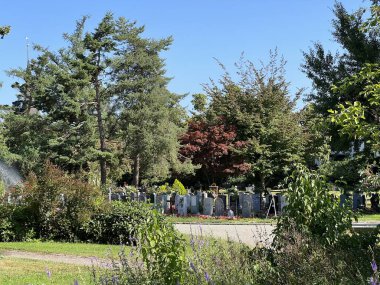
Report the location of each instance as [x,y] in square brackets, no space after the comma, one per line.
[214,147]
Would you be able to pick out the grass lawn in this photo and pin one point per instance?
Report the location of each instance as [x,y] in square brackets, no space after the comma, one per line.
[15,271]
[79,249]
[370,218]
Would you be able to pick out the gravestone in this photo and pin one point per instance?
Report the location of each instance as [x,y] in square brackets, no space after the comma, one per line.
[194,205]
[247,207]
[142,197]
[208,206]
[355,201]
[123,197]
[182,205]
[283,202]
[188,202]
[234,203]
[256,201]
[176,201]
[362,202]
[342,198]
[153,199]
[224,199]
[230,214]
[219,207]
[164,203]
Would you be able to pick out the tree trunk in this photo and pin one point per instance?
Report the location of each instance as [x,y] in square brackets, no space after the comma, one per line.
[102,140]
[262,182]
[136,171]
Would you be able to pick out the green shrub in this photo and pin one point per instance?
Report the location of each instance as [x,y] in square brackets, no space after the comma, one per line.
[311,209]
[60,203]
[179,188]
[162,250]
[116,222]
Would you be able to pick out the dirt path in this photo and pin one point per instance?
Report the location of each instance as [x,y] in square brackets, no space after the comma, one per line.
[62,258]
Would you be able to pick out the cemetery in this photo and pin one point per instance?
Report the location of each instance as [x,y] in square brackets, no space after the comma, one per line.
[135,154]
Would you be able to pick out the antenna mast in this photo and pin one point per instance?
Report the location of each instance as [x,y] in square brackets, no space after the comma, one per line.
[27,51]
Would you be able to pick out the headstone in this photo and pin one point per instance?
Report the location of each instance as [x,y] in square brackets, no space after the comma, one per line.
[224,199]
[219,207]
[176,201]
[182,205]
[188,202]
[164,203]
[247,207]
[375,202]
[283,202]
[194,205]
[115,197]
[208,206]
[355,201]
[362,202]
[342,198]
[153,199]
[123,197]
[234,203]
[142,197]
[230,214]
[256,201]
[133,196]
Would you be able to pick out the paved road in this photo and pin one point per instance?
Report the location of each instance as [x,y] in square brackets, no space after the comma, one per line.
[250,234]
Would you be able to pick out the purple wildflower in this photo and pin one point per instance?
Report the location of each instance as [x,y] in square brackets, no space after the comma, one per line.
[192,266]
[207,277]
[374,265]
[76,282]
[48,272]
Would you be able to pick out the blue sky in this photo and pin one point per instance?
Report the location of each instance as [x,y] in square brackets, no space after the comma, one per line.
[202,30]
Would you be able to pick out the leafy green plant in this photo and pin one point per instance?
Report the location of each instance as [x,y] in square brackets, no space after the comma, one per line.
[311,209]
[59,203]
[116,223]
[163,250]
[179,188]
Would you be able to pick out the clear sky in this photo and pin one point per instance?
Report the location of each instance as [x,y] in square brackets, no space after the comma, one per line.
[202,30]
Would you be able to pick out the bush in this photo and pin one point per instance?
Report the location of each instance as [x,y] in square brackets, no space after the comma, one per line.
[311,209]
[54,205]
[116,222]
[159,257]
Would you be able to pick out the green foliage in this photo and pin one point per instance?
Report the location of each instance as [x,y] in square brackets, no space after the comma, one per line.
[259,105]
[57,203]
[4,30]
[116,223]
[344,173]
[313,210]
[163,251]
[179,188]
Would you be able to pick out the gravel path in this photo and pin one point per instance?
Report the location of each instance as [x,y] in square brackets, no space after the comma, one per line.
[62,258]
[249,234]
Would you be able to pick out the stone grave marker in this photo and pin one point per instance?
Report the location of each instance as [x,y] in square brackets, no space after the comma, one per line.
[142,197]
[176,201]
[194,205]
[256,202]
[182,205]
[219,207]
[247,207]
[283,202]
[224,199]
[208,206]
[355,201]
[188,202]
[342,199]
